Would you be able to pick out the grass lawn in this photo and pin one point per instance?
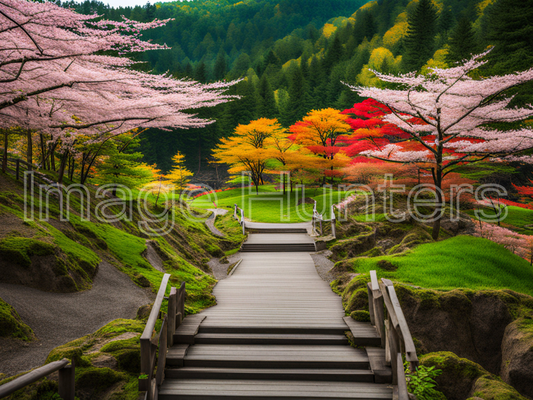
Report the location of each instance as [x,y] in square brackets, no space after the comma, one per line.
[271,205]
[517,219]
[460,262]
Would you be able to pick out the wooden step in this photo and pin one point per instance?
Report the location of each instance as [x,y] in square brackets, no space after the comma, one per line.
[214,389]
[381,369]
[271,356]
[272,338]
[275,230]
[188,329]
[333,375]
[278,247]
[363,332]
[288,329]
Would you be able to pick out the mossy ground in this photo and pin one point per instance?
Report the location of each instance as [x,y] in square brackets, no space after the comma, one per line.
[462,378]
[459,262]
[107,364]
[11,325]
[271,205]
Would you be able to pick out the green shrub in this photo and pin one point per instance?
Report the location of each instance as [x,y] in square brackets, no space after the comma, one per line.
[422,383]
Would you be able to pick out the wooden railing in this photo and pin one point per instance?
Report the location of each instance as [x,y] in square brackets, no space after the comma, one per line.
[154,347]
[240,211]
[66,379]
[387,316]
[317,217]
[19,166]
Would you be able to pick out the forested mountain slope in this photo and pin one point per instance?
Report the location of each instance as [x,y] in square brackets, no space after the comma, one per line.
[293,62]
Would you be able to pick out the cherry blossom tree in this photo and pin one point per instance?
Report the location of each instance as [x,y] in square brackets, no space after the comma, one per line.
[61,74]
[448,115]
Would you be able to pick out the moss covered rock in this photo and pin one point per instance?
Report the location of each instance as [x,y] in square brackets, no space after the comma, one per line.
[349,248]
[64,266]
[360,315]
[462,379]
[11,325]
[517,355]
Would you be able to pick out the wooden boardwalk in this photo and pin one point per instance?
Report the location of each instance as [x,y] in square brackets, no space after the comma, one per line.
[277,332]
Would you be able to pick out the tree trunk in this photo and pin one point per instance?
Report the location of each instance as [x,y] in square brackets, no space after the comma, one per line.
[199,155]
[72,165]
[52,157]
[29,150]
[437,178]
[43,152]
[62,167]
[4,161]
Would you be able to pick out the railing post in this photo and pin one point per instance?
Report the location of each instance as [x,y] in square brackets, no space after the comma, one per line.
[242,222]
[235,211]
[333,223]
[66,379]
[171,315]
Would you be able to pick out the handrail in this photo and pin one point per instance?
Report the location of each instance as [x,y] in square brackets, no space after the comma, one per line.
[317,217]
[154,348]
[393,330]
[16,163]
[235,208]
[66,370]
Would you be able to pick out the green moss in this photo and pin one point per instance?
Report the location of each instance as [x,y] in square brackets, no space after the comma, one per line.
[490,387]
[418,236]
[20,250]
[375,252]
[98,380]
[117,345]
[360,315]
[120,326]
[11,324]
[72,350]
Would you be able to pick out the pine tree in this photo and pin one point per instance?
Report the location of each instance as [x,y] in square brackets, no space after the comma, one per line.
[267,102]
[200,73]
[445,20]
[295,108]
[420,38]
[334,55]
[188,70]
[121,164]
[462,43]
[220,66]
[511,33]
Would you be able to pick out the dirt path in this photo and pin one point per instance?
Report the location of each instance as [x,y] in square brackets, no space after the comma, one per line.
[57,318]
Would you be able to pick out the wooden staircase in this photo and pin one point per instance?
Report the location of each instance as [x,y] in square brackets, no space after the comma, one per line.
[277,332]
[271,247]
[274,363]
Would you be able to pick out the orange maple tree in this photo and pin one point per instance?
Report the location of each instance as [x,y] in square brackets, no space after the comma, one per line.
[319,131]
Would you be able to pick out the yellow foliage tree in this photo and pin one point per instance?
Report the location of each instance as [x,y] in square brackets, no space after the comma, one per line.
[318,132]
[289,155]
[248,149]
[381,60]
[178,175]
[392,37]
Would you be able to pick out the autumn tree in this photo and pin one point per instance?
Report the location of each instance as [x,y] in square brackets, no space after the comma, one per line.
[446,115]
[289,156]
[319,132]
[247,150]
[179,175]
